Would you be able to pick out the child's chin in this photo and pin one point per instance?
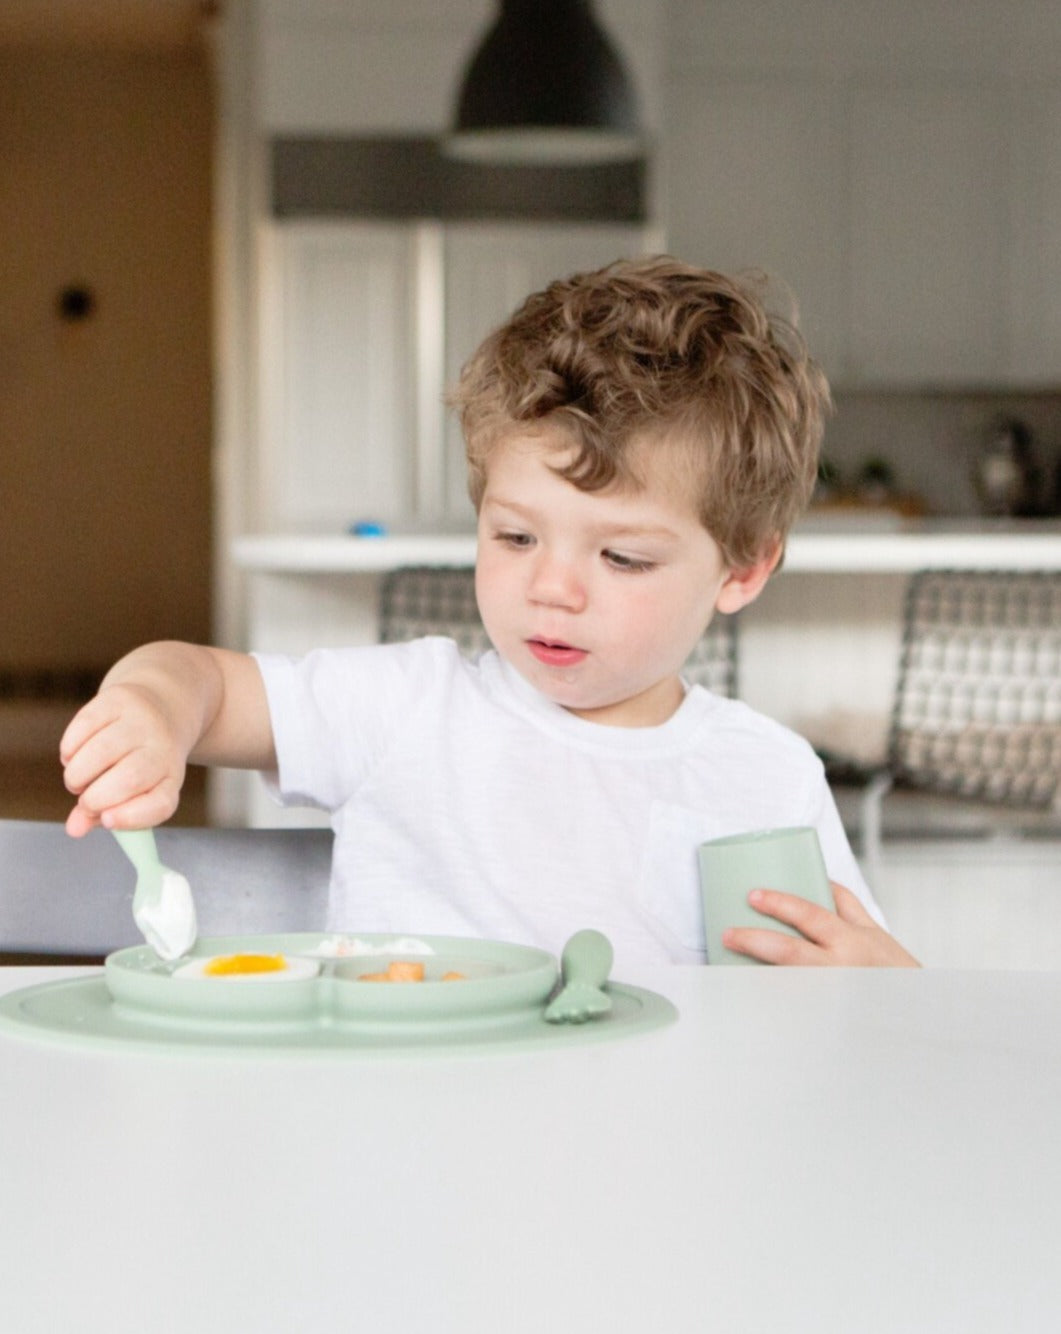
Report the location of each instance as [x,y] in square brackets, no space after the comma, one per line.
[550,682]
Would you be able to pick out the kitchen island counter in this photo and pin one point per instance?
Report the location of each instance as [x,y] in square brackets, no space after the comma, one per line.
[854,542]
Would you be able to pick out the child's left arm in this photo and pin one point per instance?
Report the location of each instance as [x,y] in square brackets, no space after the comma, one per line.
[848,937]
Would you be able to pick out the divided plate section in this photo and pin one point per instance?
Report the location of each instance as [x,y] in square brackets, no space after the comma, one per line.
[496,979]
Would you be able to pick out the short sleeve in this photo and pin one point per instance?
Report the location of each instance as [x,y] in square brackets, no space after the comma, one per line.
[336,712]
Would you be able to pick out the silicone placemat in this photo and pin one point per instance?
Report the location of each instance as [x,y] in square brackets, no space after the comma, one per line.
[80,1012]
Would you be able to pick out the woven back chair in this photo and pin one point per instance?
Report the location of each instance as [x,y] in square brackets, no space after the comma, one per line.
[440,600]
[431,600]
[974,744]
[978,706]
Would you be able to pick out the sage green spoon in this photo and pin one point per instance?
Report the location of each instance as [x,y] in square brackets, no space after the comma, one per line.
[163,908]
[584,967]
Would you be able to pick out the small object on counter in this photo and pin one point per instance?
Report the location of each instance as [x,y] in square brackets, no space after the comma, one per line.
[873,490]
[828,486]
[875,483]
[367,528]
[1005,474]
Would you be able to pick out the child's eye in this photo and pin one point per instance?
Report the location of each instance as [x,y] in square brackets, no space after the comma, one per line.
[628,564]
[510,538]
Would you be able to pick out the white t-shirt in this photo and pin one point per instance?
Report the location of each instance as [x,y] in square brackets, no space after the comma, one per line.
[466,803]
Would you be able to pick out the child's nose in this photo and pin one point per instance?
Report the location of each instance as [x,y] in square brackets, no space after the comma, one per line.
[555,582]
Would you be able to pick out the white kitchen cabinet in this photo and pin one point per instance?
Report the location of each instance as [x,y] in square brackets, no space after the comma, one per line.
[927,235]
[338,373]
[753,179]
[363,324]
[954,247]
[1033,275]
[489,270]
[913,216]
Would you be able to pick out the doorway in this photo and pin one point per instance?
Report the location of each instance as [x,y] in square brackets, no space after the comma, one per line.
[105,382]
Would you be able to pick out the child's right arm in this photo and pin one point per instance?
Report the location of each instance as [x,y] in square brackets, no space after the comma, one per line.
[124,754]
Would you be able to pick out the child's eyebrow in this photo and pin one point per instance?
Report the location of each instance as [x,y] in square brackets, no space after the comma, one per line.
[621,530]
[499,502]
[604,531]
[510,508]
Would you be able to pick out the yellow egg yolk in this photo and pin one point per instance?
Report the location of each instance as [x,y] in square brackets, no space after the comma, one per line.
[227,965]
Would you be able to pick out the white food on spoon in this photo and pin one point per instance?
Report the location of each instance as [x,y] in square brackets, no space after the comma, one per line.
[169,925]
[163,907]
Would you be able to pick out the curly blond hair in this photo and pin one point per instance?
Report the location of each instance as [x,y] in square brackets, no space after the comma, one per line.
[648,351]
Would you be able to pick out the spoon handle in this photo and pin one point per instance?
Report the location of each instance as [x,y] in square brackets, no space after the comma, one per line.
[587,958]
[139,846]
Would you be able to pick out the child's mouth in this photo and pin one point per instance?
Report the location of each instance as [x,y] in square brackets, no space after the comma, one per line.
[553,653]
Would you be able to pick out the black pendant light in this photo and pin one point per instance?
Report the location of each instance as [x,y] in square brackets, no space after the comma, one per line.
[546,86]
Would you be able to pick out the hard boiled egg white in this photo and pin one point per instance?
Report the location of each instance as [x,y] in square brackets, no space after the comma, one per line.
[249,968]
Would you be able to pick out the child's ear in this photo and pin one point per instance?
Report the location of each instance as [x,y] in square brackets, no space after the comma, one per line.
[744,586]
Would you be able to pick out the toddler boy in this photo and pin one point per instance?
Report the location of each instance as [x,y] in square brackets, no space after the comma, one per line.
[640,440]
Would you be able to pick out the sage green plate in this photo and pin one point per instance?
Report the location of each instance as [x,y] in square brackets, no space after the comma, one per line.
[499,1006]
[495,978]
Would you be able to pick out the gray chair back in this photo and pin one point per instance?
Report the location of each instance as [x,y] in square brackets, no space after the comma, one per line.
[72,898]
[977,709]
[974,748]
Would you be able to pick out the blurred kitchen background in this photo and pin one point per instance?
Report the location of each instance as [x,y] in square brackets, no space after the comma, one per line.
[238,269]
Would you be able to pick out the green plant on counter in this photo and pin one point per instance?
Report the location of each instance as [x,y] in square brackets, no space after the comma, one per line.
[875,479]
[829,482]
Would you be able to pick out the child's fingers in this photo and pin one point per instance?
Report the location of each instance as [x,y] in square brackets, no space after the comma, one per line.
[99,756]
[80,822]
[94,741]
[144,811]
[818,930]
[117,752]
[809,919]
[772,946]
[84,725]
[136,810]
[110,791]
[849,937]
[849,906]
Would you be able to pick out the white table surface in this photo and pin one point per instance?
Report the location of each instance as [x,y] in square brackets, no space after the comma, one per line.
[803,1151]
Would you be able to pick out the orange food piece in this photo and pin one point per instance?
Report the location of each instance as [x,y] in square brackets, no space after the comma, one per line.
[398,970]
[401,970]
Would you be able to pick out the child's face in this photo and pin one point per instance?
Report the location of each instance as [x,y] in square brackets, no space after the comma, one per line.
[596,598]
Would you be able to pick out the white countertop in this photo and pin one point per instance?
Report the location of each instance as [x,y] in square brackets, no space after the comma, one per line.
[824,545]
[805,1150]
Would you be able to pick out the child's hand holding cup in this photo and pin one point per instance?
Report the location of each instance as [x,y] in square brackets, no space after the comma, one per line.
[789,860]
